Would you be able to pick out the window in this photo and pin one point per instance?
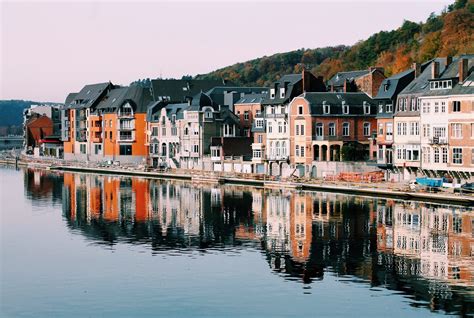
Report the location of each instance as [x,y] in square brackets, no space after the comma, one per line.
[270,129]
[345,129]
[259,139]
[381,107]
[439,132]
[445,155]
[302,151]
[456,106]
[366,129]
[216,152]
[302,130]
[283,148]
[389,128]
[110,135]
[163,131]
[319,129]
[82,149]
[195,148]
[280,127]
[154,131]
[300,110]
[208,114]
[443,107]
[456,130]
[436,155]
[436,107]
[389,108]
[125,150]
[404,129]
[326,109]
[186,131]
[246,115]
[414,128]
[380,129]
[282,92]
[413,104]
[457,156]
[257,153]
[426,130]
[332,129]
[259,123]
[297,130]
[272,93]
[366,108]
[345,108]
[297,151]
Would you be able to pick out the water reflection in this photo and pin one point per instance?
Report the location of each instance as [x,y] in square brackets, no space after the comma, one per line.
[422,250]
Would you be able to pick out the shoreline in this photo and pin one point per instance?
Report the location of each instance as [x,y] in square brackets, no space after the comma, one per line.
[359,189]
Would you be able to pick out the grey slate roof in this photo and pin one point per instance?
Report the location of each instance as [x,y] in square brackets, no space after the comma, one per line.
[251,99]
[340,77]
[138,97]
[70,97]
[201,100]
[90,94]
[420,84]
[395,83]
[180,90]
[291,80]
[355,101]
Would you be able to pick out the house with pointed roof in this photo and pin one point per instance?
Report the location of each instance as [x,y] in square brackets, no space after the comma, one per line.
[406,123]
[386,99]
[327,126]
[274,154]
[447,121]
[367,81]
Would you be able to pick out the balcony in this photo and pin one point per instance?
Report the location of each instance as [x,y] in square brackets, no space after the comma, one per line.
[126,126]
[276,116]
[126,136]
[327,138]
[123,114]
[438,140]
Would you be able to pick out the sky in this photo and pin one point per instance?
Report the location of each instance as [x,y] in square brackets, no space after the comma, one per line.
[49,49]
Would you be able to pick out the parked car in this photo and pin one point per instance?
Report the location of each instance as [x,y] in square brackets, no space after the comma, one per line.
[468,187]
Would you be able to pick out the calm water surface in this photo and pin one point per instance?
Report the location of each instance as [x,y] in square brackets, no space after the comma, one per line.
[92,246]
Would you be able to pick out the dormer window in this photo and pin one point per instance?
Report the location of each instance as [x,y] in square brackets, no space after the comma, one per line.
[366,108]
[208,114]
[345,108]
[272,93]
[282,92]
[326,108]
[381,107]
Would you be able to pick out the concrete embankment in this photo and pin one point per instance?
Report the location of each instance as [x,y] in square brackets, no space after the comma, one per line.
[360,190]
[366,190]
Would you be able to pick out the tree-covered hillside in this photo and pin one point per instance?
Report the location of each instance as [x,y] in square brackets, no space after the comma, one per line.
[447,33]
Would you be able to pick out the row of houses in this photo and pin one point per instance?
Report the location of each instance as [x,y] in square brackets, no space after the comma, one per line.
[420,121]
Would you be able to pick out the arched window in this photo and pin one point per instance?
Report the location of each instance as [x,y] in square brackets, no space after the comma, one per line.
[272,151]
[163,149]
[283,148]
[277,146]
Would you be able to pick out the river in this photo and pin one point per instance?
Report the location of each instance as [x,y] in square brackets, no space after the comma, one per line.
[86,245]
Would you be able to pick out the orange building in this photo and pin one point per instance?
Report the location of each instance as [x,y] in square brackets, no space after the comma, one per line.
[106,122]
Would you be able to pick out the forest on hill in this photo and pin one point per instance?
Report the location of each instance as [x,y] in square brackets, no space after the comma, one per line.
[449,33]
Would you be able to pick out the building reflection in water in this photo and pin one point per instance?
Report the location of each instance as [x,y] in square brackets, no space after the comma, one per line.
[424,250]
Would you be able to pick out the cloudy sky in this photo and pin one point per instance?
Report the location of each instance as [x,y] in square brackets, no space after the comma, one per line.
[51,48]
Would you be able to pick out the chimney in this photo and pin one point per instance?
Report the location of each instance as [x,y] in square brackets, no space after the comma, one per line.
[306,80]
[449,60]
[463,69]
[434,70]
[417,68]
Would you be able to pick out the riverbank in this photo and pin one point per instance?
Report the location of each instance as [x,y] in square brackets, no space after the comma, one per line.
[380,189]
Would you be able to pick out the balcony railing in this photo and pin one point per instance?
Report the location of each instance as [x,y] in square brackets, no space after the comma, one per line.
[438,140]
[126,126]
[327,138]
[125,115]
[126,137]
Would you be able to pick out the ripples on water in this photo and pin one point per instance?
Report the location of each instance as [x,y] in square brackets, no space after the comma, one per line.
[383,248]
